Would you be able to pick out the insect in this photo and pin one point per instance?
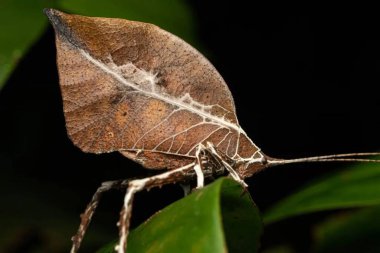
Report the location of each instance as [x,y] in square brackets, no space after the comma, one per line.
[134,88]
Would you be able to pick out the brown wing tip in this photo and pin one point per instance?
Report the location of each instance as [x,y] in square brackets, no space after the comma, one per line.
[49,11]
[55,18]
[53,15]
[59,21]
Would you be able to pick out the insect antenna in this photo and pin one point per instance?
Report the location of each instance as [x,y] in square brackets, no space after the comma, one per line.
[349,157]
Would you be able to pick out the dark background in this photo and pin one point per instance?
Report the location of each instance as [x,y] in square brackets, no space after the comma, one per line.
[303,85]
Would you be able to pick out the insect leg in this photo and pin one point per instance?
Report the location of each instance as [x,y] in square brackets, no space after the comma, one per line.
[228,167]
[134,186]
[90,209]
[198,166]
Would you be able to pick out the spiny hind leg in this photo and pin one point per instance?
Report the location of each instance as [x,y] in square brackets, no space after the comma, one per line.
[134,186]
[90,210]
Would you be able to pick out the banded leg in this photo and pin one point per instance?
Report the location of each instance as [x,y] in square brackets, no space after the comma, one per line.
[90,209]
[134,186]
[228,167]
[198,168]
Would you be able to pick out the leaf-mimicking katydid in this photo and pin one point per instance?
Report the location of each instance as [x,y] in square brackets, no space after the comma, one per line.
[134,88]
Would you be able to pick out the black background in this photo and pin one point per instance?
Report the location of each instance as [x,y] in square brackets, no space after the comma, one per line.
[303,85]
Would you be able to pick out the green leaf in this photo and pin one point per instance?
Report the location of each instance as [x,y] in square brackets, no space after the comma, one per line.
[354,232]
[355,187]
[172,15]
[209,220]
[21,23]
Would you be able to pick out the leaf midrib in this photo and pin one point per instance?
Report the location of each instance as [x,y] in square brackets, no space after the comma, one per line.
[166,99]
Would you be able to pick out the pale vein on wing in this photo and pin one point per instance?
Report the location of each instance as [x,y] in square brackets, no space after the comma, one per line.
[182,132]
[155,127]
[167,99]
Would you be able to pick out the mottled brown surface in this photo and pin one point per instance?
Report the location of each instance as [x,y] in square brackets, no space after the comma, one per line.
[103,114]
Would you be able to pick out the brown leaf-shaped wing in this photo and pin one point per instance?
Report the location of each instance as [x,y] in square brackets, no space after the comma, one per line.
[132,87]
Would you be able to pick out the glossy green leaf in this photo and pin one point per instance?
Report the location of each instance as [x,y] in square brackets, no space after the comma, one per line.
[172,15]
[354,232]
[213,219]
[21,23]
[355,187]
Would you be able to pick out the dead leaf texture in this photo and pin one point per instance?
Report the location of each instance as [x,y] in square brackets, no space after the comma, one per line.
[134,88]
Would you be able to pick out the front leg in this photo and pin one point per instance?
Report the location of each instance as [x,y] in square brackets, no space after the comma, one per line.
[208,158]
[198,167]
[211,148]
